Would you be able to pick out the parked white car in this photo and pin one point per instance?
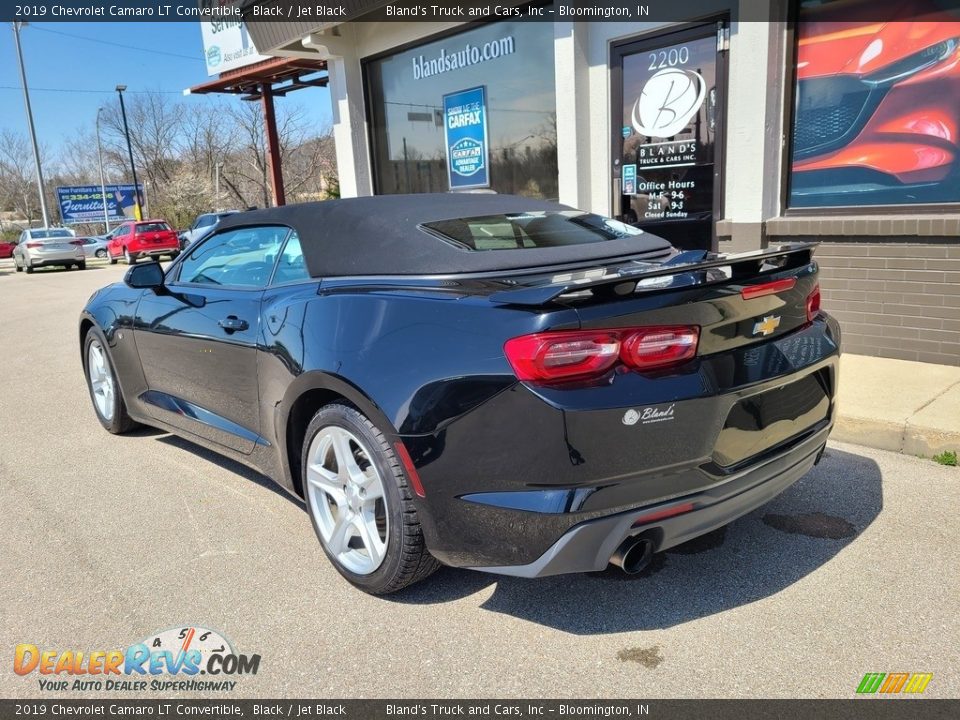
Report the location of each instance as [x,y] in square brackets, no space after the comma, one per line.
[202,225]
[43,247]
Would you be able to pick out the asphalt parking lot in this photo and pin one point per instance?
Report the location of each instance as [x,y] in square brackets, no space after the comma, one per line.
[106,540]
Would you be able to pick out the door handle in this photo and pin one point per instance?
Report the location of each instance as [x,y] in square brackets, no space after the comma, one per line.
[232,323]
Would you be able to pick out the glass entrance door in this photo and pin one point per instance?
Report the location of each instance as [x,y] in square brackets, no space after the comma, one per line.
[668,95]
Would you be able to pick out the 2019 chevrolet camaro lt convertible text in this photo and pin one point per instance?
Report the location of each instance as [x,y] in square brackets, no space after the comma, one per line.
[478,380]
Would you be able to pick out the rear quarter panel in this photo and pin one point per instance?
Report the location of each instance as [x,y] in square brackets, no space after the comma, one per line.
[415,362]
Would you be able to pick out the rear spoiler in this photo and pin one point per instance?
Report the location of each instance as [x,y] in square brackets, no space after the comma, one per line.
[626,280]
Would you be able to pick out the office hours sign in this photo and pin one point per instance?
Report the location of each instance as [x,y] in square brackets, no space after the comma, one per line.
[465,132]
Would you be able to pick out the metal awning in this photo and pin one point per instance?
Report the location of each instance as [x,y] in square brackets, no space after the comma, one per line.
[283,75]
[263,81]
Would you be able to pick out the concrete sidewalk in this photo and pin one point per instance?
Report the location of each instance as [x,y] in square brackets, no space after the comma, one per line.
[907,407]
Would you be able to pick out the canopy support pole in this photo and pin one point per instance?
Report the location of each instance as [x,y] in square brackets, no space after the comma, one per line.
[273,145]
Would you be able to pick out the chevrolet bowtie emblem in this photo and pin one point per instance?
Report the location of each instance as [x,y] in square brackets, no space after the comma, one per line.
[767,325]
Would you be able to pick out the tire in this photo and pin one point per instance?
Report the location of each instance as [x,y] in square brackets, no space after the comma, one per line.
[101,253]
[128,258]
[113,260]
[82,264]
[404,559]
[18,266]
[28,269]
[119,421]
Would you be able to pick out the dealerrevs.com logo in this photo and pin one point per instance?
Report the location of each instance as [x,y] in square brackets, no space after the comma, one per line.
[170,660]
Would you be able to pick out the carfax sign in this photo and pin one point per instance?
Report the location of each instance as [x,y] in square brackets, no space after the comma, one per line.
[84,203]
[465,129]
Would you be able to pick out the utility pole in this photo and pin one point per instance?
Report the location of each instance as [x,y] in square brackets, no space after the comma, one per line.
[33,133]
[103,185]
[216,175]
[137,211]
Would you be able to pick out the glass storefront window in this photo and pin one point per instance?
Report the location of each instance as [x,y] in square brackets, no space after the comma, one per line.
[514,62]
[875,116]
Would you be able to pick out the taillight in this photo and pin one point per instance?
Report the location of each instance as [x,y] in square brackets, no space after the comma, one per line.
[562,355]
[649,348]
[581,354]
[34,244]
[813,303]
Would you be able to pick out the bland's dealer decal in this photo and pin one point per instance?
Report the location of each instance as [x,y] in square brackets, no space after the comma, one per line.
[160,662]
[647,415]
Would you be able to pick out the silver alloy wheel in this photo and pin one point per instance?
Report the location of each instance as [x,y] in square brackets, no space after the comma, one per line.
[101,380]
[128,258]
[101,253]
[347,499]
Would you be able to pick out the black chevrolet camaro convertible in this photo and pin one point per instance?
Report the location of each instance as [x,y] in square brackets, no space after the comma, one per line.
[483,381]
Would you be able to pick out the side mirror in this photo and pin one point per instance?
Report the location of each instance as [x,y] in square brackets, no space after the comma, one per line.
[149,276]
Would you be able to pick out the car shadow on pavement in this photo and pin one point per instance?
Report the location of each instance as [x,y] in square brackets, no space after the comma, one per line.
[231,466]
[754,557]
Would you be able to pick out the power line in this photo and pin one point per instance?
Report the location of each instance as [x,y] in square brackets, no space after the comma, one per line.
[114,44]
[82,90]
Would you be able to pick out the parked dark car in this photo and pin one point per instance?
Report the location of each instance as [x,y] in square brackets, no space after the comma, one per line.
[484,381]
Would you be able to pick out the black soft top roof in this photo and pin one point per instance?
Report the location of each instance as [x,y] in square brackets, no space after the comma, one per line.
[379,235]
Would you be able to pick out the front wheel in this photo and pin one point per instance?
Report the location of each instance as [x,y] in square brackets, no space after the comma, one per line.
[82,264]
[360,503]
[102,383]
[113,260]
[101,254]
[128,258]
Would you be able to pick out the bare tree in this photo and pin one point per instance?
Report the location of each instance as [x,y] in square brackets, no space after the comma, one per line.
[18,189]
[155,131]
[177,145]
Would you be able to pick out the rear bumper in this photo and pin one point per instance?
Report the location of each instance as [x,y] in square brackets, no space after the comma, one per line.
[58,259]
[155,252]
[588,546]
[515,480]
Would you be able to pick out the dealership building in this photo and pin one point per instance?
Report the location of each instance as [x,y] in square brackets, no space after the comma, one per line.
[712,130]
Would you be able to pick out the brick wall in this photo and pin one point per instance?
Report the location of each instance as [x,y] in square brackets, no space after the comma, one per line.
[898,300]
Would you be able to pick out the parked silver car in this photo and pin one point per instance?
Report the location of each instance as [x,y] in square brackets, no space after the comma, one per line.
[42,247]
[203,225]
[94,246]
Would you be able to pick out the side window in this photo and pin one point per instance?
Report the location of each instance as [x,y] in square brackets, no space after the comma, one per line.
[291,266]
[242,257]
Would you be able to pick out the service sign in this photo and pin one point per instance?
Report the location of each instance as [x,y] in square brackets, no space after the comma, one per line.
[226,43]
[81,204]
[465,130]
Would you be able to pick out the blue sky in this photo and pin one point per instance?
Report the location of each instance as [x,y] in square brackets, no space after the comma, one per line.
[161,56]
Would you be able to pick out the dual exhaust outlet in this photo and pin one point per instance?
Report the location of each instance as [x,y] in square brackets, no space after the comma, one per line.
[633,555]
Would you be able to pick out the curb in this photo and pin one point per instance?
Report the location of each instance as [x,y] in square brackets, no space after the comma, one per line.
[903,437]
